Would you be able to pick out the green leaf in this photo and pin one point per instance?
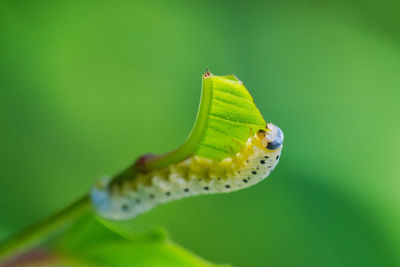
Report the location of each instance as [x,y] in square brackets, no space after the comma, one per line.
[230,119]
[226,117]
[89,243]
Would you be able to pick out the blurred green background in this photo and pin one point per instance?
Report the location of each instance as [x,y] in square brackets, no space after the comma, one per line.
[87,86]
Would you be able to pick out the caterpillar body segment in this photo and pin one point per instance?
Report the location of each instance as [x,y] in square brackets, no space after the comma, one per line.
[192,176]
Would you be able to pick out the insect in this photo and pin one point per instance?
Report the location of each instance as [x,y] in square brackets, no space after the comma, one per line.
[192,176]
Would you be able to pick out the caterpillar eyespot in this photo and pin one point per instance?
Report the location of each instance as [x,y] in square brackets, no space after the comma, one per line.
[192,176]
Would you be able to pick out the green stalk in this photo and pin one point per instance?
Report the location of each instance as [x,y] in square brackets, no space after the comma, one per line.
[39,232]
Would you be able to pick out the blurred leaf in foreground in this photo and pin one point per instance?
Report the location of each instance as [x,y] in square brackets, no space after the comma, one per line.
[91,244]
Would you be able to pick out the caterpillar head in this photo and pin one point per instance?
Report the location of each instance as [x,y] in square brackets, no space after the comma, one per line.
[272,139]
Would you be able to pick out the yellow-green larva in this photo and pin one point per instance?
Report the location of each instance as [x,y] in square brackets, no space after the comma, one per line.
[192,176]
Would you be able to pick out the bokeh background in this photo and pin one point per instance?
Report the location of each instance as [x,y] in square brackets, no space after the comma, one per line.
[87,86]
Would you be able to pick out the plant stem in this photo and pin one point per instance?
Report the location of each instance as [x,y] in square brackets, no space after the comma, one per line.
[39,232]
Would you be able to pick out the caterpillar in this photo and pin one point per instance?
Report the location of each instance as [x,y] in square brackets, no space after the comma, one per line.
[192,176]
